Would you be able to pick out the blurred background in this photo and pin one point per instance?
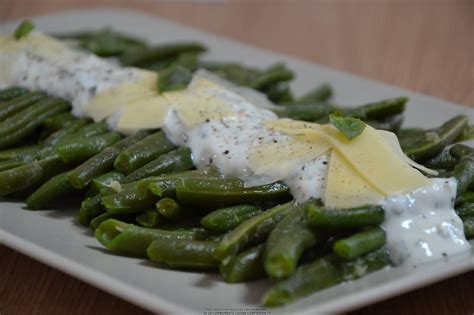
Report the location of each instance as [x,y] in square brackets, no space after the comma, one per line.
[422,45]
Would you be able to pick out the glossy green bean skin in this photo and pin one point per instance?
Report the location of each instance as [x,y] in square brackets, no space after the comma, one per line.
[9,164]
[62,134]
[223,220]
[318,216]
[286,243]
[444,160]
[246,266]
[129,239]
[102,162]
[433,141]
[390,123]
[323,273]
[192,192]
[169,208]
[18,104]
[379,110]
[90,208]
[183,254]
[360,243]
[132,198]
[29,175]
[78,150]
[150,219]
[464,170]
[18,152]
[11,93]
[59,121]
[320,94]
[54,189]
[90,130]
[306,112]
[103,181]
[174,161]
[270,76]
[143,152]
[254,229]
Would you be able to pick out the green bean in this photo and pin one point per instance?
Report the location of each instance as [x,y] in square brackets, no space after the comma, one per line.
[225,219]
[183,254]
[286,243]
[193,192]
[467,197]
[129,239]
[466,134]
[174,78]
[59,121]
[17,152]
[272,75]
[254,229]
[390,123]
[143,152]
[465,211]
[18,104]
[25,28]
[101,162]
[433,141]
[320,94]
[246,266]
[443,160]
[234,72]
[469,227]
[90,130]
[27,124]
[11,93]
[350,218]
[29,175]
[103,181]
[55,188]
[174,161]
[132,198]
[90,208]
[464,170]
[9,164]
[62,134]
[323,273]
[142,57]
[360,243]
[150,219]
[78,150]
[379,110]
[169,208]
[279,93]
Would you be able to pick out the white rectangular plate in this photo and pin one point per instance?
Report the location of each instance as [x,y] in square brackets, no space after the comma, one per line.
[55,239]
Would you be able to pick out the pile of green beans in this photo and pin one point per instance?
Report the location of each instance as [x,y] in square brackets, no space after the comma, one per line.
[142,196]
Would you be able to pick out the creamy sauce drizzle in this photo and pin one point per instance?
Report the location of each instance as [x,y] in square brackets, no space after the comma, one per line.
[421,225]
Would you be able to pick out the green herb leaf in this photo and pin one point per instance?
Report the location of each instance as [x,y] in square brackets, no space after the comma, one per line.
[174,78]
[350,127]
[24,29]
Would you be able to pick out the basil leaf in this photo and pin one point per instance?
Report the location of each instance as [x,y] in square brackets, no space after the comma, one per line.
[24,29]
[174,78]
[349,126]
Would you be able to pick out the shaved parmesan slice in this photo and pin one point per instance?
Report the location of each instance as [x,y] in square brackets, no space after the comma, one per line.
[345,187]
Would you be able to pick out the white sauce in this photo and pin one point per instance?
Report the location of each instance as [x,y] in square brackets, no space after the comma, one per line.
[421,226]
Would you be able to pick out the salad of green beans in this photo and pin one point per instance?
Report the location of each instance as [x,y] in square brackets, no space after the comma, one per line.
[142,196]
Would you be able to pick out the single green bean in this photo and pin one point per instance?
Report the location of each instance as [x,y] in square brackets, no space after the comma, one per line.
[444,160]
[62,134]
[9,164]
[169,208]
[18,104]
[150,219]
[464,170]
[183,254]
[272,75]
[59,121]
[350,218]
[320,94]
[55,188]
[360,243]
[225,219]
[246,266]
[18,152]
[379,110]
[143,152]
[90,208]
[103,181]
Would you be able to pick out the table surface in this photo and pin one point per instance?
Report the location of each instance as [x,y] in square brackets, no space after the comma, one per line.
[424,45]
